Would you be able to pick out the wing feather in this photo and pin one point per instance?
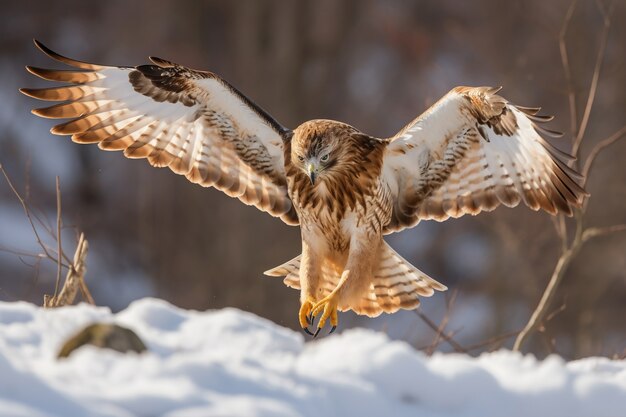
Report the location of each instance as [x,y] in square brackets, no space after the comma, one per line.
[471,152]
[191,121]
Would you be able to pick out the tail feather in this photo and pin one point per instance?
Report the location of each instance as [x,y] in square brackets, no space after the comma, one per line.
[396,283]
[290,270]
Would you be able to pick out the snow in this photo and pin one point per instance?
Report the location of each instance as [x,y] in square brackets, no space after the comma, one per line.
[232,363]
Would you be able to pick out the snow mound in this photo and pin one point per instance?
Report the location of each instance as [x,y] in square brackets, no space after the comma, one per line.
[231,363]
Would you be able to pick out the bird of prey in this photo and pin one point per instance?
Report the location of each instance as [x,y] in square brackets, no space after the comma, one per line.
[470,152]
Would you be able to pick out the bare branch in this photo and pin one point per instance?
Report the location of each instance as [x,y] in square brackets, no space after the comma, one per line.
[24,262]
[603,144]
[18,252]
[448,338]
[556,312]
[76,268]
[602,231]
[40,216]
[27,212]
[594,82]
[428,349]
[571,94]
[44,222]
[492,341]
[59,248]
[444,322]
[570,249]
[557,275]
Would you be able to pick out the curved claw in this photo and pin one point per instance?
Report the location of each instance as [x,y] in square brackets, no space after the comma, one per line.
[304,315]
[307,331]
[328,309]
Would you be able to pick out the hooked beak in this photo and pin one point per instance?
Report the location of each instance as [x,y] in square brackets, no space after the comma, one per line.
[310,169]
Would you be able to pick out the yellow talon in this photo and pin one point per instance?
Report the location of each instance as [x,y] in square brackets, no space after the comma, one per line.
[329,307]
[305,310]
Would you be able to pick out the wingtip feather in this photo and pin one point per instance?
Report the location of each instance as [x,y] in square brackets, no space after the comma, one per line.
[161,62]
[58,57]
[41,113]
[30,92]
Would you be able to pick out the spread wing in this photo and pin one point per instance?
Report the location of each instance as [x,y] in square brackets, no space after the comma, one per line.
[191,121]
[471,152]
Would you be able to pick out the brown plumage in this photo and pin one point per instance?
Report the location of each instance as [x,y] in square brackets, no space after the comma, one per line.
[469,152]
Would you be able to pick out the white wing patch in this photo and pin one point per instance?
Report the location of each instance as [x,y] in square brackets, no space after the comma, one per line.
[471,152]
[190,121]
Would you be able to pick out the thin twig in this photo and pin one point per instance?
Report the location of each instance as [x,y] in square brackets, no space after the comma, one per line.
[427,349]
[48,251]
[46,226]
[27,212]
[444,322]
[600,146]
[18,252]
[535,319]
[492,341]
[594,83]
[40,216]
[455,345]
[59,248]
[556,312]
[571,94]
[602,231]
[24,262]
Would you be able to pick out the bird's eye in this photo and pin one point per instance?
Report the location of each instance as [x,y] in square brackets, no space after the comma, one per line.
[300,158]
[325,158]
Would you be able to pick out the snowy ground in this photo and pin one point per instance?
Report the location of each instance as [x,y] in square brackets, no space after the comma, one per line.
[232,363]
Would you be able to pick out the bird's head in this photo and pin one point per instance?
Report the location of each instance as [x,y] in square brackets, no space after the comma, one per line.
[320,148]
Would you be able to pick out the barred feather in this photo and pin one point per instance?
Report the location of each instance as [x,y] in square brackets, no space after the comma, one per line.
[191,121]
[506,162]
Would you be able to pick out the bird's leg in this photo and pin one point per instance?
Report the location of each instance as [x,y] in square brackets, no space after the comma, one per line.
[363,249]
[328,306]
[310,269]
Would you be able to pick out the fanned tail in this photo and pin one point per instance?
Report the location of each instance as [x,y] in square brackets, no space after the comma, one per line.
[396,284]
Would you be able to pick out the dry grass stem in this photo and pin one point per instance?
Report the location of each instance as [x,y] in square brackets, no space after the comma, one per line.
[75,279]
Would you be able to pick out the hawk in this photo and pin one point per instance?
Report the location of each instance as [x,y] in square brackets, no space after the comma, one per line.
[472,151]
